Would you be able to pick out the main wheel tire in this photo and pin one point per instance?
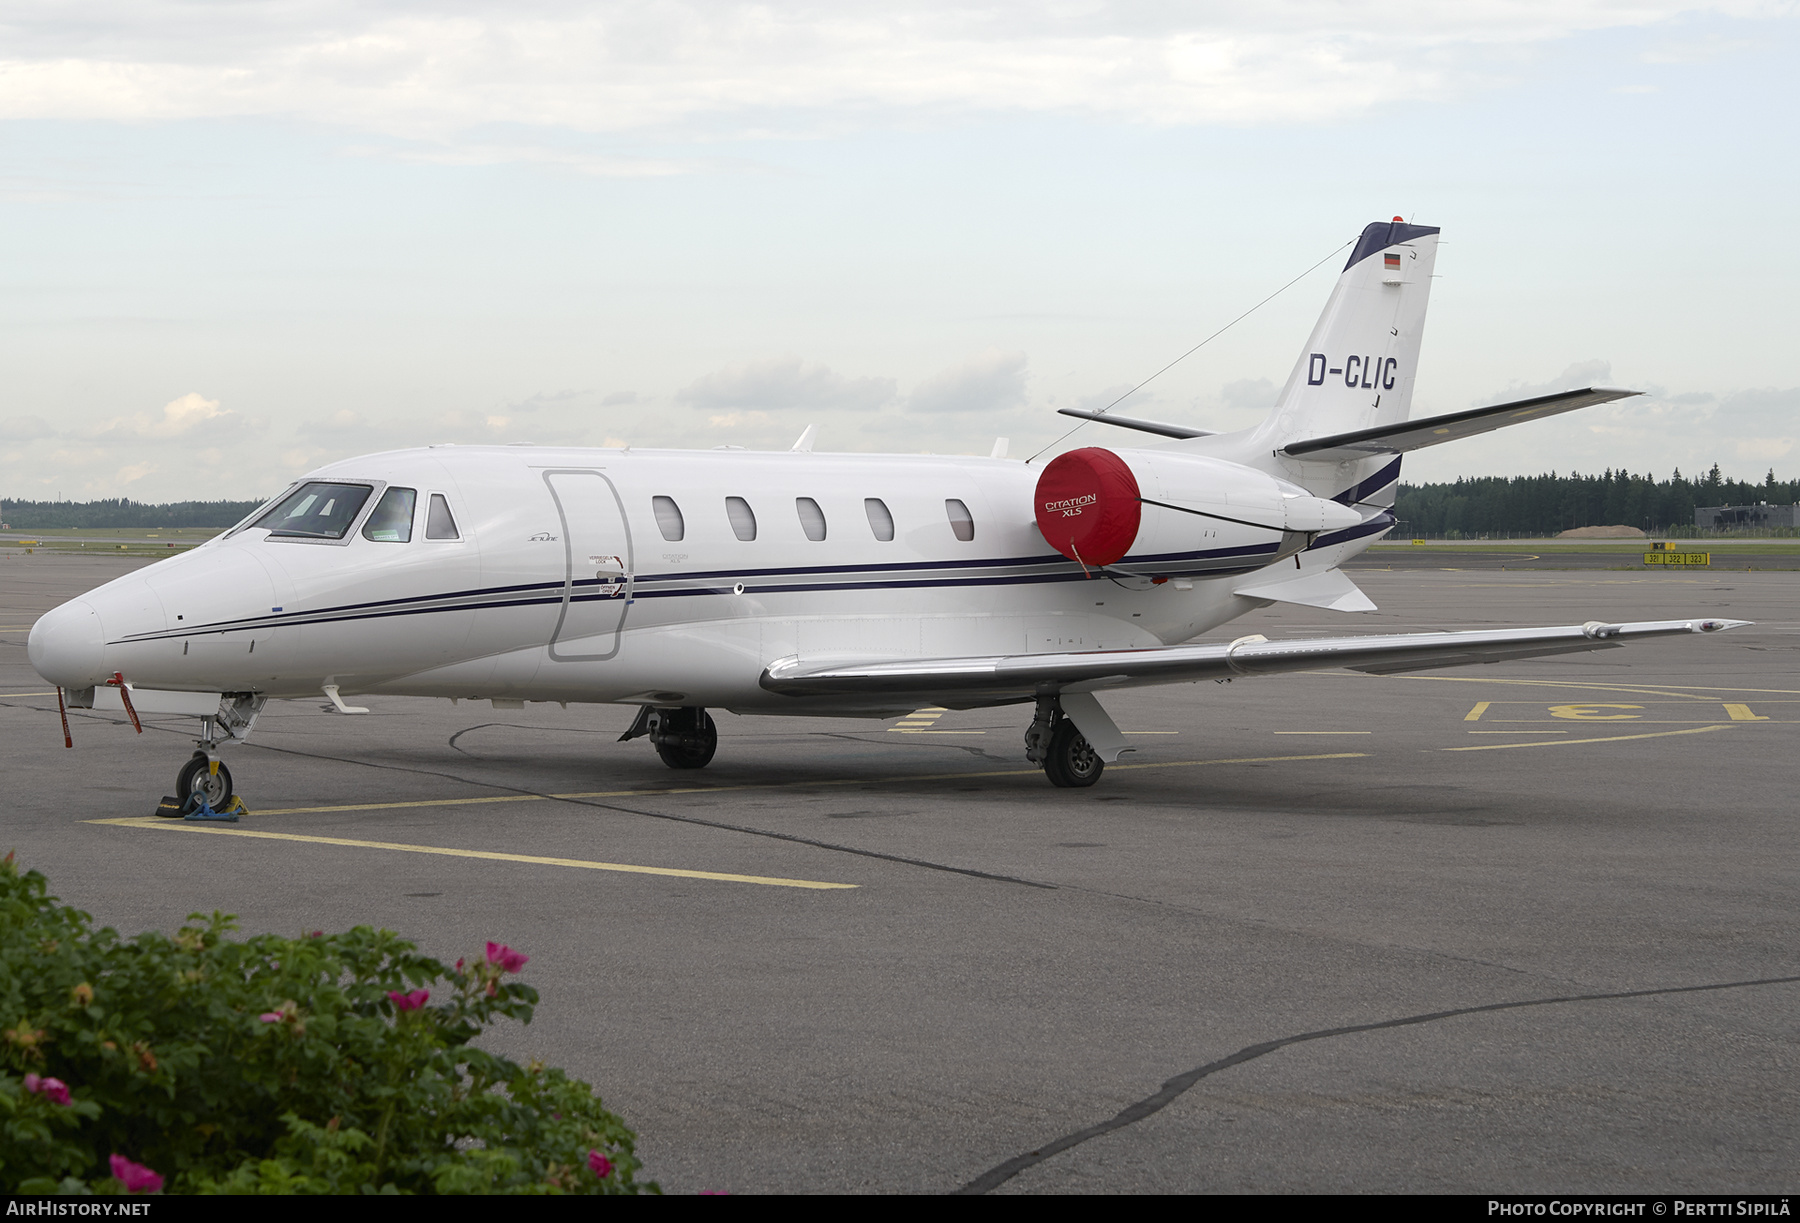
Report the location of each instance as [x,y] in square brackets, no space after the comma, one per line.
[1072,762]
[198,780]
[691,742]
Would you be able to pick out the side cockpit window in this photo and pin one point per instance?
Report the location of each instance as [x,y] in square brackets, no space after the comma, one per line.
[439,522]
[392,521]
[318,509]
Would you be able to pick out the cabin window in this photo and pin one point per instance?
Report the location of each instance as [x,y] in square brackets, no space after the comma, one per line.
[439,523]
[391,523]
[669,520]
[960,521]
[812,518]
[743,518]
[880,521]
[317,509]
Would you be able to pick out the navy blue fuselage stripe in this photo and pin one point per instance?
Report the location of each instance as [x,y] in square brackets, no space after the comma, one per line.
[482,599]
[1374,484]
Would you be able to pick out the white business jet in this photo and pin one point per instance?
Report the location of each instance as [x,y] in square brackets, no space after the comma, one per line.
[811,584]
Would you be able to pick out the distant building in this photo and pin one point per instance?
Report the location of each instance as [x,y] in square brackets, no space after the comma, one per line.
[1761,514]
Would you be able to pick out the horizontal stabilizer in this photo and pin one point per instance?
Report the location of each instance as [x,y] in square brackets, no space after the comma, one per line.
[1405,435]
[1329,589]
[1133,422]
[965,683]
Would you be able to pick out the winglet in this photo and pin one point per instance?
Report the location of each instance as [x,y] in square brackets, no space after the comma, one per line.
[804,445]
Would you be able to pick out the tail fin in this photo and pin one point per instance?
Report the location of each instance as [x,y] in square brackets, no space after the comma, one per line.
[1359,365]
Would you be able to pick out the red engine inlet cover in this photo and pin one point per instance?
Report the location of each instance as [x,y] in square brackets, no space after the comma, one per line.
[1087,506]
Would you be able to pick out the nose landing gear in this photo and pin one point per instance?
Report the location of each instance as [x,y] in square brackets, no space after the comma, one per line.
[205,777]
[685,738]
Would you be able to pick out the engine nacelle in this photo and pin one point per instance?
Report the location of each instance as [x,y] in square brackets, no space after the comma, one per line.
[1167,514]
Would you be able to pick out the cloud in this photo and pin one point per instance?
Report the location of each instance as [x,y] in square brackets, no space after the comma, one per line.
[188,412]
[1249,394]
[1760,407]
[179,417]
[335,425]
[25,428]
[643,64]
[785,382]
[1763,423]
[989,382]
[738,420]
[1583,373]
[619,399]
[545,399]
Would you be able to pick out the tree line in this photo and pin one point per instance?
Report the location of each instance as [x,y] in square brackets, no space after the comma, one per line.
[1543,505]
[122,512]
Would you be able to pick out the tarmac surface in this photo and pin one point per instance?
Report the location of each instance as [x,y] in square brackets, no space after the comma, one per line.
[1529,927]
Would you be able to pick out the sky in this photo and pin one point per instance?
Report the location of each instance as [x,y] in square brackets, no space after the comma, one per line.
[242,239]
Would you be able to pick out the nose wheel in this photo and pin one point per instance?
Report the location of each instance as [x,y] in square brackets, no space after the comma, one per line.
[204,777]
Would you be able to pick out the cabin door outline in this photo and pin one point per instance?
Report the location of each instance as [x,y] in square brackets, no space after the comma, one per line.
[596,538]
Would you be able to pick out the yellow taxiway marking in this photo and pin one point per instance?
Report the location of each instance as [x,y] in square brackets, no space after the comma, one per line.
[1474,715]
[52,692]
[1658,734]
[1631,689]
[150,821]
[1518,732]
[1152,732]
[921,720]
[772,785]
[1324,732]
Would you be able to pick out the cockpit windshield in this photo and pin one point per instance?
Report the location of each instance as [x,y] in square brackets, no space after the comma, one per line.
[316,510]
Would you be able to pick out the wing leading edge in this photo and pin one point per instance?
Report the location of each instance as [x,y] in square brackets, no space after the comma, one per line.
[1001,679]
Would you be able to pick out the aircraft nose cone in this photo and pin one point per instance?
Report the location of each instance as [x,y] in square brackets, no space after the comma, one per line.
[66,646]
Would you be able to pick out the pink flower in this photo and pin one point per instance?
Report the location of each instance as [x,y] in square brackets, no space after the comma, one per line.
[601,1165]
[408,1002]
[271,1017]
[508,959]
[135,1176]
[54,1090]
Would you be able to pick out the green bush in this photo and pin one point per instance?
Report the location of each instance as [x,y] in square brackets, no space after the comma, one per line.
[324,1064]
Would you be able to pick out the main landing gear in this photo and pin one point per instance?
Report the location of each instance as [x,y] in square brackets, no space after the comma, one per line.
[1053,741]
[685,738]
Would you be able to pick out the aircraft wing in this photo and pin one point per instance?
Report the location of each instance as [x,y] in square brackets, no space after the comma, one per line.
[969,682]
[1405,435]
